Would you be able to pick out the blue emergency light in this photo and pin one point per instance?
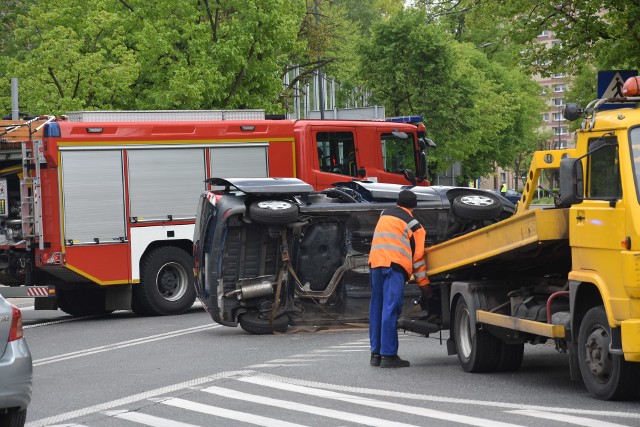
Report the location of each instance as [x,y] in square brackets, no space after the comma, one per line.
[405,119]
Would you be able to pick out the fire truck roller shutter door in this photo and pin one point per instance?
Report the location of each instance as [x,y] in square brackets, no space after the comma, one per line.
[165,183]
[93,196]
[240,161]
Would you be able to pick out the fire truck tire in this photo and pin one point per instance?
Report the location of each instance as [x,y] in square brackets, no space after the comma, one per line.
[253,323]
[476,353]
[510,357]
[166,286]
[476,206]
[82,302]
[607,376]
[274,212]
[13,418]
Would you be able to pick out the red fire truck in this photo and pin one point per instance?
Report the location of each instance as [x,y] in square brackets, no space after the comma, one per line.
[97,209]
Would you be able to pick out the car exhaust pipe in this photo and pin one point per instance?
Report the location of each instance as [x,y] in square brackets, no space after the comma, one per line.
[253,290]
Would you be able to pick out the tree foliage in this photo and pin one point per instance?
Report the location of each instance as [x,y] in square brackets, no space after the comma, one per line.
[478,111]
[132,54]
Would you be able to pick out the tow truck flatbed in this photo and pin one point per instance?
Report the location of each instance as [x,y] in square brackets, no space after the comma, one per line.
[537,239]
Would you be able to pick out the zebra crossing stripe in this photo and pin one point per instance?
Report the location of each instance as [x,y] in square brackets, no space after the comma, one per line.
[301,407]
[365,401]
[228,413]
[148,420]
[570,419]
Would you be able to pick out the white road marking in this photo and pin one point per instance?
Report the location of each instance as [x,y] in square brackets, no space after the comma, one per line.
[122,344]
[340,351]
[301,407]
[357,400]
[570,419]
[349,346]
[441,399]
[148,420]
[228,413]
[275,365]
[133,398]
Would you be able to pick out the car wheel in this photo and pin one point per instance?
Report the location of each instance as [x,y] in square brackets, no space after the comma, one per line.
[166,286]
[607,376]
[479,352]
[255,324]
[275,212]
[13,418]
[476,206]
[77,301]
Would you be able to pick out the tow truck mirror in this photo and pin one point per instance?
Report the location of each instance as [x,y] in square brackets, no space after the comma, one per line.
[572,112]
[571,182]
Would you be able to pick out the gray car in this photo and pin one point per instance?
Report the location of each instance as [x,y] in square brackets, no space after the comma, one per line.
[16,369]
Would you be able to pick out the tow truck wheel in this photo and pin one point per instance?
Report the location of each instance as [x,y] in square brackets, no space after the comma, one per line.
[510,357]
[607,376]
[253,323]
[274,212]
[77,301]
[166,286]
[477,206]
[479,352]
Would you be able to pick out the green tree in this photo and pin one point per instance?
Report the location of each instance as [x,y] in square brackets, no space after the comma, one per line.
[169,54]
[478,111]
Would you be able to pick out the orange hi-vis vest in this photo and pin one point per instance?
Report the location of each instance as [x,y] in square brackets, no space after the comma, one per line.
[398,242]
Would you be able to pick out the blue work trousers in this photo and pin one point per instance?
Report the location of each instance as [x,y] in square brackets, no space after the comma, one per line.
[387,292]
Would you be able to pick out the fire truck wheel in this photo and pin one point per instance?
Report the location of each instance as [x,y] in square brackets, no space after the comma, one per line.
[275,212]
[253,323]
[607,376]
[476,206]
[82,302]
[166,286]
[479,352]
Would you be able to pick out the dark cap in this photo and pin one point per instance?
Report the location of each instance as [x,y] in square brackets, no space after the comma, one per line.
[407,199]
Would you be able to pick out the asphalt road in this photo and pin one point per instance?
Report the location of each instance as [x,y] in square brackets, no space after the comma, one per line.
[124,370]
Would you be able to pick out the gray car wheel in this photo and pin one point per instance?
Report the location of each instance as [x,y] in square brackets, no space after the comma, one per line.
[476,206]
[276,212]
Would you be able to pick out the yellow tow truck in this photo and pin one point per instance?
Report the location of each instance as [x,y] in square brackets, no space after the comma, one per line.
[569,274]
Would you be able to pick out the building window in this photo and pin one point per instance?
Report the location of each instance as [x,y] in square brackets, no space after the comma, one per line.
[560,88]
[560,130]
[556,43]
[558,117]
[544,33]
[558,102]
[545,117]
[558,75]
[543,89]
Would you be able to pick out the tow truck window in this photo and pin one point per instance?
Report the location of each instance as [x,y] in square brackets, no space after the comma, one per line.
[634,141]
[337,153]
[604,172]
[397,154]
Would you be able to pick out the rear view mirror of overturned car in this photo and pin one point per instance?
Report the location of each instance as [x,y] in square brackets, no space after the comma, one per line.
[271,253]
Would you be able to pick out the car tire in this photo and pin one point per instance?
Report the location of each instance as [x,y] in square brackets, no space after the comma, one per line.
[607,376]
[166,286]
[253,323]
[13,418]
[476,206]
[476,353]
[77,301]
[273,212]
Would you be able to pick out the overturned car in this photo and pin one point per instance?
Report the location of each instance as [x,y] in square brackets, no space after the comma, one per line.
[272,252]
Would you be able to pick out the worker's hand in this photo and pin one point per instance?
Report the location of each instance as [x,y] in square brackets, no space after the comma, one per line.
[425,292]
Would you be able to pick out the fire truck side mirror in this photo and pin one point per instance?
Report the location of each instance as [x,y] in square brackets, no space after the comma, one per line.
[571,182]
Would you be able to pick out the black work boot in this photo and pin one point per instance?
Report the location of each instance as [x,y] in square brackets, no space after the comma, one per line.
[393,362]
[375,359]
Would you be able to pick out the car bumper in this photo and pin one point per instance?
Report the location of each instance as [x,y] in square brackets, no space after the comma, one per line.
[16,373]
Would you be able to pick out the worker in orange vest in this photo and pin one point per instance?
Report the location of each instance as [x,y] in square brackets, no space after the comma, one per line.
[397,252]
